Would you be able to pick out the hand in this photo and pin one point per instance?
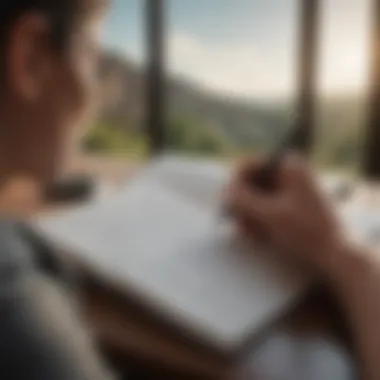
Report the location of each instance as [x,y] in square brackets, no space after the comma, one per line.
[295,219]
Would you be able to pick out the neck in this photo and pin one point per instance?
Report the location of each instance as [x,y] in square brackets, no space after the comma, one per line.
[19,187]
[19,197]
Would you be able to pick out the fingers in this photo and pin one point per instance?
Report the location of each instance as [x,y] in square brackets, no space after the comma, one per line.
[246,167]
[295,175]
[246,201]
[253,230]
[290,217]
[292,172]
[294,180]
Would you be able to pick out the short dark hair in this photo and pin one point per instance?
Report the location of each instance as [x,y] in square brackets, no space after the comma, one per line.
[60,13]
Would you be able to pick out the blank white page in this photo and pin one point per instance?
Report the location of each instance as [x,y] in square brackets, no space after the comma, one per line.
[180,260]
[201,181]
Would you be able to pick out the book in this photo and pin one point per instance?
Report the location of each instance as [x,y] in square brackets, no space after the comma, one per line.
[160,238]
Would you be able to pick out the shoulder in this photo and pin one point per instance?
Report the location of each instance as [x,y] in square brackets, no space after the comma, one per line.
[23,252]
[38,320]
[15,251]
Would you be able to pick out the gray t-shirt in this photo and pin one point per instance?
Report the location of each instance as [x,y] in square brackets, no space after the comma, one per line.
[40,334]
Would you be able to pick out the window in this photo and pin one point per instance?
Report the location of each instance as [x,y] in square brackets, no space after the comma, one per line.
[343,83]
[225,78]
[119,129]
[231,74]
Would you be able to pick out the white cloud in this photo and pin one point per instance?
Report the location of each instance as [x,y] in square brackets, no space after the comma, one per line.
[267,66]
[244,70]
[232,68]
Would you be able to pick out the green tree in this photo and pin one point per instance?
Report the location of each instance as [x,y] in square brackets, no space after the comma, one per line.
[188,134]
[112,139]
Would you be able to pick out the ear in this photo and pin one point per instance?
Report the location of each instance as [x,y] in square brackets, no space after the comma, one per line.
[28,56]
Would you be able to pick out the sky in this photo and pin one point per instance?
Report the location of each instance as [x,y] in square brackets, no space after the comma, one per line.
[248,48]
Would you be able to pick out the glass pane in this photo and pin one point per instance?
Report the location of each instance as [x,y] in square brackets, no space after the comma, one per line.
[343,72]
[117,131]
[231,66]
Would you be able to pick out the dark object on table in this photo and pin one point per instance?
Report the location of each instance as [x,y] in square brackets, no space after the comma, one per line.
[73,188]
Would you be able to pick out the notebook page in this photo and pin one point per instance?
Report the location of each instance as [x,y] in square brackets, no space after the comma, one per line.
[180,260]
[201,181]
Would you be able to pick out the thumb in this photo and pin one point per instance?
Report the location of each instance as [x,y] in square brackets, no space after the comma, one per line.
[245,200]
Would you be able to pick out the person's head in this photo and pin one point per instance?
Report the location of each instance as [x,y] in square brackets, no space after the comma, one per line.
[48,77]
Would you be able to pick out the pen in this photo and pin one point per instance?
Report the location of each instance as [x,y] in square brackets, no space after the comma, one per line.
[265,178]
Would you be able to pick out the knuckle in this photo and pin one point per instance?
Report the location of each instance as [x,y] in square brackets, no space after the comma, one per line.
[296,163]
[247,164]
[297,169]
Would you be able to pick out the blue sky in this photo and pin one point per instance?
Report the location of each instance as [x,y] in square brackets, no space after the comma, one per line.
[248,47]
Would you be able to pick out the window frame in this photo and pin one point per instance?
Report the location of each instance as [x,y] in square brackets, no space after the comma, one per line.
[371,161]
[155,75]
[307,85]
[308,32]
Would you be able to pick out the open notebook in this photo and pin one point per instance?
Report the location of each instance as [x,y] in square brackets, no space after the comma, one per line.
[161,236]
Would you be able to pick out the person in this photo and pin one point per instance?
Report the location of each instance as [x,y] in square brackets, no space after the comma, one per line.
[48,74]
[49,53]
[298,220]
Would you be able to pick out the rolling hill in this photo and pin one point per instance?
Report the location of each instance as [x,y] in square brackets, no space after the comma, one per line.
[241,123]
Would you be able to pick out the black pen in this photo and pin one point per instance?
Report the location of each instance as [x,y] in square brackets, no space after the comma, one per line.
[265,178]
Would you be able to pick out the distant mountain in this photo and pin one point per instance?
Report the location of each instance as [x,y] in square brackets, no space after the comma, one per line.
[242,122]
[123,88]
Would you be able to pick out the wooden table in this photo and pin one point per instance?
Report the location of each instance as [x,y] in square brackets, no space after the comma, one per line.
[309,344]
